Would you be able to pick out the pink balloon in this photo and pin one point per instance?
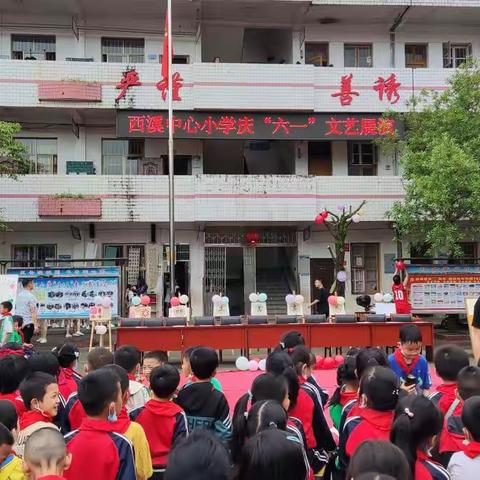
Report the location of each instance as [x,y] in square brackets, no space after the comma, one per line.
[329,363]
[174,301]
[145,300]
[253,365]
[319,362]
[338,359]
[319,219]
[332,300]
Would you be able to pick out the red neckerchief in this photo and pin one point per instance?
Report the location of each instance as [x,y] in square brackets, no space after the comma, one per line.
[403,364]
[448,396]
[422,456]
[345,397]
[381,420]
[7,352]
[132,377]
[123,421]
[472,449]
[33,416]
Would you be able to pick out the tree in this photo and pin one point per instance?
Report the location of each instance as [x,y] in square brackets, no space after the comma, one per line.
[13,161]
[440,158]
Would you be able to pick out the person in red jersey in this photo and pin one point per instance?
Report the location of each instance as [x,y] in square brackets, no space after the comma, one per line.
[400,293]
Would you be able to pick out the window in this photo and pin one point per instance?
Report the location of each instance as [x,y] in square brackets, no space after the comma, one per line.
[33,47]
[316,54]
[358,56]
[123,50]
[135,255]
[178,59]
[415,56]
[182,164]
[42,153]
[122,157]
[32,255]
[182,252]
[362,159]
[468,256]
[364,267]
[454,54]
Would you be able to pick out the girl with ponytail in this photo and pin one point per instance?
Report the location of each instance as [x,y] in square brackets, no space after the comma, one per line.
[417,424]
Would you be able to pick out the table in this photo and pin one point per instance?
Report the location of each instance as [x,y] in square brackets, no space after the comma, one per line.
[246,337]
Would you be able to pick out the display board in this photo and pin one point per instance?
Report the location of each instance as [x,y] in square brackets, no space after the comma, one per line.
[8,289]
[70,292]
[442,288]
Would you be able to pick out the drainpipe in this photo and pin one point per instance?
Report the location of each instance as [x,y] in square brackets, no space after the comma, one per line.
[396,23]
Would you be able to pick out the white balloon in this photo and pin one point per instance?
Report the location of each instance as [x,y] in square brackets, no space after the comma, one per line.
[253,297]
[253,365]
[101,329]
[299,299]
[224,300]
[216,299]
[242,363]
[356,218]
[378,297]
[183,299]
[262,364]
[387,298]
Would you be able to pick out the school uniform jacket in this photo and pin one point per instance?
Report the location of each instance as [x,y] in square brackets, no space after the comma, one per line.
[74,414]
[444,397]
[427,469]
[451,436]
[323,394]
[16,400]
[164,423]
[205,407]
[68,380]
[99,453]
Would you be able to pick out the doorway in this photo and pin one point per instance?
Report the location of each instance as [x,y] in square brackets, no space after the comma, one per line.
[322,269]
[320,158]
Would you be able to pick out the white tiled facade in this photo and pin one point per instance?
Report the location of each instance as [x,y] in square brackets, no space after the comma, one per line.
[225,201]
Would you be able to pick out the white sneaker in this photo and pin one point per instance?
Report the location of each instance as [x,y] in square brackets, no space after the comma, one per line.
[42,340]
[78,334]
[68,335]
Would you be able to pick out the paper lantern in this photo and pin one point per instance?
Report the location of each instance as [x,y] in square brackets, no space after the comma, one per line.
[338,360]
[378,297]
[324,214]
[101,329]
[340,301]
[387,298]
[184,299]
[329,363]
[135,301]
[356,218]
[224,301]
[106,302]
[290,298]
[216,299]
[98,300]
[174,301]
[319,219]
[262,364]
[253,365]
[262,297]
[253,297]
[299,299]
[145,300]
[319,362]
[400,265]
[242,363]
[342,276]
[332,300]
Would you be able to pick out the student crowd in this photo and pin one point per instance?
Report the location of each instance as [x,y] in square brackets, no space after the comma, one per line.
[125,420]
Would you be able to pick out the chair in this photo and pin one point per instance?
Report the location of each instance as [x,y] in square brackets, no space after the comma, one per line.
[154,322]
[231,320]
[400,317]
[131,322]
[203,321]
[176,322]
[315,318]
[285,319]
[258,320]
[373,318]
[345,319]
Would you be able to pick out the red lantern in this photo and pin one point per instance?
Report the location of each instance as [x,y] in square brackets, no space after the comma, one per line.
[319,219]
[252,238]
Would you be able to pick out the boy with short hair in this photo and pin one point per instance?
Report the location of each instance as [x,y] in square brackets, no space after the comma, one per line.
[17,335]
[407,360]
[13,370]
[187,369]
[10,464]
[97,358]
[151,360]
[6,327]
[163,420]
[46,456]
[98,452]
[205,406]
[449,361]
[39,392]
[465,465]
[128,357]
[452,436]
[132,430]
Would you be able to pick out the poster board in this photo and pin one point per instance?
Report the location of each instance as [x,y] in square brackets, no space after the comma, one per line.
[8,289]
[474,332]
[221,310]
[69,292]
[295,309]
[442,288]
[258,308]
[181,311]
[385,309]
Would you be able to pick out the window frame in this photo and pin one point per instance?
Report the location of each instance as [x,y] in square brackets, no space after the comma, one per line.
[127,58]
[416,45]
[324,63]
[50,56]
[34,260]
[362,166]
[359,269]
[357,47]
[127,157]
[449,59]
[34,163]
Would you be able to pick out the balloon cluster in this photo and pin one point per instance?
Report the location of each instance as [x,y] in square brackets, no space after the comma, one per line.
[105,302]
[258,297]
[321,217]
[176,301]
[144,300]
[380,297]
[244,364]
[335,301]
[217,300]
[298,299]
[328,363]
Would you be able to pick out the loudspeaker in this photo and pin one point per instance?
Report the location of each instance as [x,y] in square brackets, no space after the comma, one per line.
[153,233]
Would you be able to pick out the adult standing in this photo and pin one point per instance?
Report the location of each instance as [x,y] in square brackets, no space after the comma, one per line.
[142,287]
[26,307]
[475,331]
[320,299]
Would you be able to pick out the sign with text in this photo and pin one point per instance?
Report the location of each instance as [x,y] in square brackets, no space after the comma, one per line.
[265,126]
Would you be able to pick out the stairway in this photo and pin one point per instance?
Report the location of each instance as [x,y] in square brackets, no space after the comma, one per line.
[272,283]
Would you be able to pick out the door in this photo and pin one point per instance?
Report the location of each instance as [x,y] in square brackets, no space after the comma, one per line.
[321,269]
[320,158]
[249,275]
[215,276]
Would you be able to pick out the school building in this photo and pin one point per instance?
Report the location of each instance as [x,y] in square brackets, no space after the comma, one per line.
[277,105]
